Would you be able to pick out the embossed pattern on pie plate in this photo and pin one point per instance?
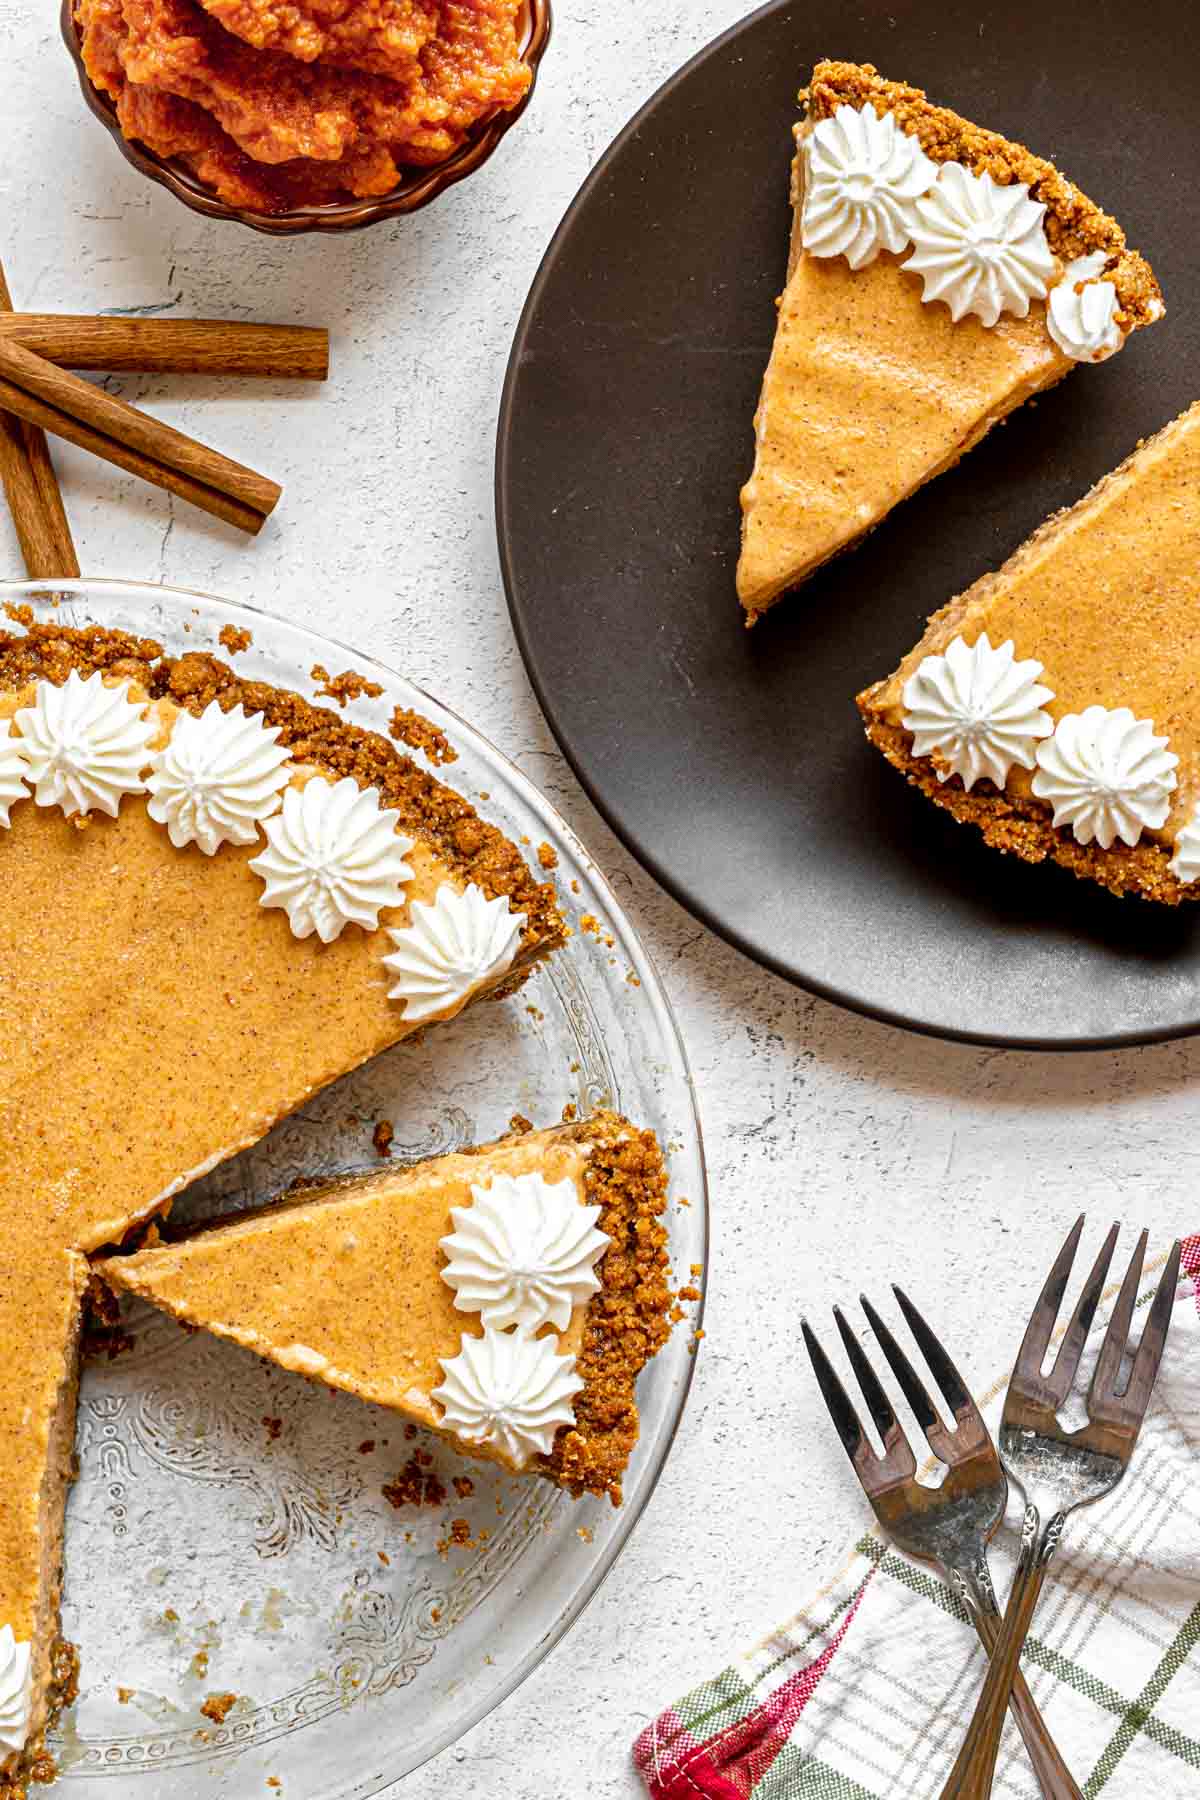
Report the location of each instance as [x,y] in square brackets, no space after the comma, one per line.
[228,1532]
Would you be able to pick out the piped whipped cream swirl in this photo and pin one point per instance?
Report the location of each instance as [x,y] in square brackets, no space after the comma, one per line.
[334,857]
[217,779]
[1081,315]
[86,744]
[1186,861]
[16,1690]
[860,173]
[451,949]
[979,247]
[14,766]
[977,710]
[524,1252]
[1106,775]
[509,1390]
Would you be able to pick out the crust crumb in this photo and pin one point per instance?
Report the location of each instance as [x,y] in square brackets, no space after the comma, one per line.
[417,1484]
[347,686]
[408,727]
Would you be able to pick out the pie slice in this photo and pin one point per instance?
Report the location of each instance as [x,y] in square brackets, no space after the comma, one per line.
[939,276]
[506,1297]
[217,899]
[1055,704]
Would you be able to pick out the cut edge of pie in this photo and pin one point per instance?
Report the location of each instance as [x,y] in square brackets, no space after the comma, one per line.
[450,842]
[780,548]
[219,1278]
[1017,821]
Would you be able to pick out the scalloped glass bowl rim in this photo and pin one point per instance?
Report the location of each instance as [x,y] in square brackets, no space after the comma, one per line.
[82,588]
[415,192]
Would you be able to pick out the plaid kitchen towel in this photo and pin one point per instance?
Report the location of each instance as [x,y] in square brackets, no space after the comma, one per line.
[865,1693]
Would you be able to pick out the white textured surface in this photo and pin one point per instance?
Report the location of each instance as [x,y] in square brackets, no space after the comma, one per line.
[842,1153]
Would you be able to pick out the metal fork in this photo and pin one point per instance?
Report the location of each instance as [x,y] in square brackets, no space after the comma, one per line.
[949,1526]
[1058,1470]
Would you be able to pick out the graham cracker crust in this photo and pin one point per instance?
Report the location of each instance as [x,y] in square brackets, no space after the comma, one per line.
[1023,826]
[1075,225]
[474,849]
[627,1320]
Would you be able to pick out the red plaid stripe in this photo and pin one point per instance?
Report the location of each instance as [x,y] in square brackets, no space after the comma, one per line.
[730,1765]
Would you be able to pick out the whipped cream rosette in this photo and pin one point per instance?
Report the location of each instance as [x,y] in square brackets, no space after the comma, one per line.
[217,779]
[508,1390]
[334,857]
[1081,315]
[978,710]
[1186,861]
[450,949]
[524,1252]
[15,1690]
[86,744]
[14,767]
[861,171]
[980,247]
[1106,775]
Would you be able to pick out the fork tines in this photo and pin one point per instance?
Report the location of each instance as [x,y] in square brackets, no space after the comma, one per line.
[1109,1400]
[897,1452]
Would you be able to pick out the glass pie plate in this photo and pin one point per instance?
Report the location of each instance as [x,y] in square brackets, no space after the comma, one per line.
[228,1533]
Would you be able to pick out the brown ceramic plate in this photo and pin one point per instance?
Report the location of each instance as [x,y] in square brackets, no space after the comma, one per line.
[416,190]
[733,762]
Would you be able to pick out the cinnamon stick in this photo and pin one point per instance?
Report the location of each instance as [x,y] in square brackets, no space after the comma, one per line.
[32,491]
[173,346]
[63,404]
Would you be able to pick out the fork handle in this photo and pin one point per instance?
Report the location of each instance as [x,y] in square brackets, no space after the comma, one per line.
[1053,1776]
[974,1769]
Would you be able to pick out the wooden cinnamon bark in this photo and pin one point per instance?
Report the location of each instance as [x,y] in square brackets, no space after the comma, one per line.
[32,491]
[172,346]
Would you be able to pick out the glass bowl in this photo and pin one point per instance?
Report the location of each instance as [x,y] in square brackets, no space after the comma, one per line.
[228,1530]
[416,189]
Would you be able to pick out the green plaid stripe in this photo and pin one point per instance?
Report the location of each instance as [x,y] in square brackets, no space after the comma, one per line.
[1140,1715]
[796,1776]
[717,1704]
[1134,1715]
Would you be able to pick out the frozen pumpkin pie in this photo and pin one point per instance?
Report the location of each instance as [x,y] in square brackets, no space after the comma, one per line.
[1056,703]
[505,1297]
[217,898]
[939,276]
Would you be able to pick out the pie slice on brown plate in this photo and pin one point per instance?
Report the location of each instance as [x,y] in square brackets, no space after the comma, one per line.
[1056,703]
[217,899]
[506,1297]
[940,275]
